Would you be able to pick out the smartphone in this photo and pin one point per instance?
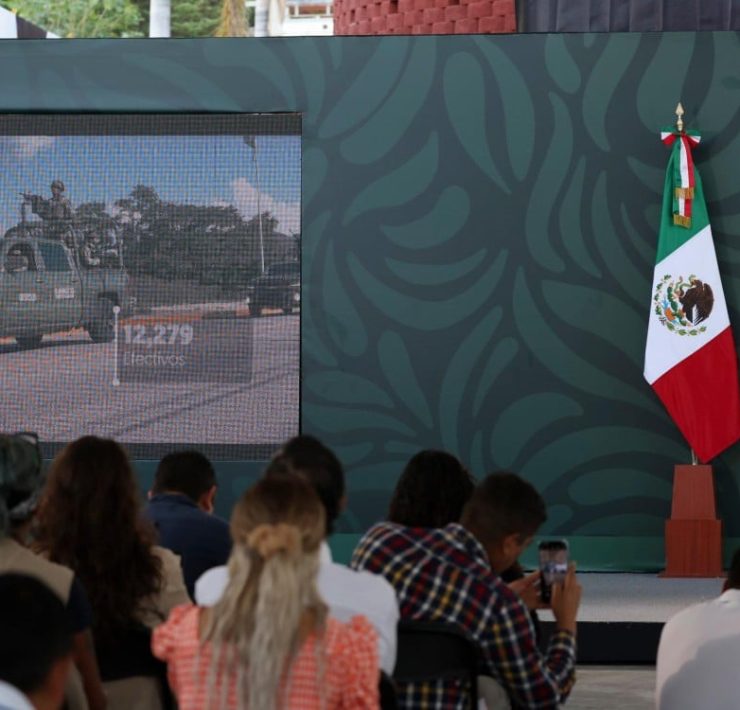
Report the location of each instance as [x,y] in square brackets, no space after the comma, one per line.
[553,556]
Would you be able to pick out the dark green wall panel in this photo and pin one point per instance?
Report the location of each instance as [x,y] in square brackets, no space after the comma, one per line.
[479,226]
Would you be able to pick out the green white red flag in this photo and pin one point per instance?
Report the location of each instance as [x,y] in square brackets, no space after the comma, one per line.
[690,358]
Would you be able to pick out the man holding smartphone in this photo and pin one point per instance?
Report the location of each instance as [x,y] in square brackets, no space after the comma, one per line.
[452,574]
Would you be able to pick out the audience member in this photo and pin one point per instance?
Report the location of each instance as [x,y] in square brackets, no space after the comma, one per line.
[269,641]
[181,505]
[431,491]
[90,519]
[698,652]
[35,645]
[347,592]
[452,574]
[20,485]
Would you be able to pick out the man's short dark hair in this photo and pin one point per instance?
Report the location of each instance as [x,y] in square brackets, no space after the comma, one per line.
[307,456]
[431,491]
[733,575]
[503,504]
[187,472]
[35,632]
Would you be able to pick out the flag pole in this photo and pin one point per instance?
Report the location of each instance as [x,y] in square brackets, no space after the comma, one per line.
[259,209]
[679,128]
[251,142]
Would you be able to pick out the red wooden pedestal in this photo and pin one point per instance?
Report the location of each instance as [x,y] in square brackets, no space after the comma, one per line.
[693,535]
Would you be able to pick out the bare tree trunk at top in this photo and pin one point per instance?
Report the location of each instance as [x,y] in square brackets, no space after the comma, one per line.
[233,21]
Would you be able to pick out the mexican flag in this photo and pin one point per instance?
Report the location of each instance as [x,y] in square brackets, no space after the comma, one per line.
[690,356]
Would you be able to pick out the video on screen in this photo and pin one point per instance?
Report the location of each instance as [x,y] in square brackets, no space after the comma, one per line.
[150,279]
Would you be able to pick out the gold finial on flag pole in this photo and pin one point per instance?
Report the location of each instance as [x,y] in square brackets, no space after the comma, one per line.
[679,117]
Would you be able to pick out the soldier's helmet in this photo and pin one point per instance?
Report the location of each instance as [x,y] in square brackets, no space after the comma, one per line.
[58,184]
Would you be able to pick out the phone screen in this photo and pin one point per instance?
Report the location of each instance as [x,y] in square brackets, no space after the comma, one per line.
[553,557]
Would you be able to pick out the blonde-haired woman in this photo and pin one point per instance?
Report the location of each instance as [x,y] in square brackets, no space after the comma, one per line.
[268,643]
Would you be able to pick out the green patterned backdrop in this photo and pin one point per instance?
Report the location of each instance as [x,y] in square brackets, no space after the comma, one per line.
[479,226]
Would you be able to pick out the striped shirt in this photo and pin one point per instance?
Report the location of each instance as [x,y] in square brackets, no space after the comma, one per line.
[335,671]
[445,575]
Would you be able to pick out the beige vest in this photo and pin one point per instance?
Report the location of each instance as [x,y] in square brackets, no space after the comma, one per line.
[16,558]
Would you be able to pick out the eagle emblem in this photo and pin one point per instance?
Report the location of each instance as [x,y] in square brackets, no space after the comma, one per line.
[682,305]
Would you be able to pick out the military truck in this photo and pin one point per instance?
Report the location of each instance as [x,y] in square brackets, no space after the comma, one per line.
[48,286]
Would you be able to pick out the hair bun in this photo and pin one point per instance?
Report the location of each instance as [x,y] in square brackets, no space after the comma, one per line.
[268,540]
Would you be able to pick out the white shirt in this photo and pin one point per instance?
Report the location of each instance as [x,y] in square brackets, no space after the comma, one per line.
[697,664]
[12,699]
[346,592]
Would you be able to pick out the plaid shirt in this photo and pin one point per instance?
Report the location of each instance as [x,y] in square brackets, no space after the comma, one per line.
[444,575]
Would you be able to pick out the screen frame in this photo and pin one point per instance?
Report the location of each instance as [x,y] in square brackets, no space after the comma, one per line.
[128,122]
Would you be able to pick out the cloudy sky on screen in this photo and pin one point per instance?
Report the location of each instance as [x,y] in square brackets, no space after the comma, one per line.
[199,170]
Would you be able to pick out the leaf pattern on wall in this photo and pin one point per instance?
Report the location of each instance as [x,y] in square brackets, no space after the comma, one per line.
[562,183]
[479,226]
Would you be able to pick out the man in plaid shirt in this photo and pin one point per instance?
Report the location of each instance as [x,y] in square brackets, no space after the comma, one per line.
[452,575]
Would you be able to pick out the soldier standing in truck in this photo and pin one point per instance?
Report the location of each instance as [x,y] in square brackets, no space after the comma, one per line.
[56,212]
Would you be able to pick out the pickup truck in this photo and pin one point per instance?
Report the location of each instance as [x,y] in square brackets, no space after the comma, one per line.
[45,288]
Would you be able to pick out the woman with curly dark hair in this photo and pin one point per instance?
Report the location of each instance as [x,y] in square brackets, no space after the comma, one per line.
[21,482]
[90,520]
[431,492]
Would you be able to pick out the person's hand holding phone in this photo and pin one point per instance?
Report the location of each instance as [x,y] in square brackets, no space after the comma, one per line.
[528,589]
[566,598]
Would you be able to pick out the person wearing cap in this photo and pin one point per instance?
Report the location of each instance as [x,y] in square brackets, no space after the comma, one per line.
[59,206]
[20,486]
[56,211]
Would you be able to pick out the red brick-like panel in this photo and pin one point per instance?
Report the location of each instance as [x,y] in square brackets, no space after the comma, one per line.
[421,17]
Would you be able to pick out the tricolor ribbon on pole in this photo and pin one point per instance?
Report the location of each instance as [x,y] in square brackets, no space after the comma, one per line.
[690,359]
[681,167]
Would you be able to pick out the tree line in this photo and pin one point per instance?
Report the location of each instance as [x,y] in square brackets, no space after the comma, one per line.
[123,18]
[209,244]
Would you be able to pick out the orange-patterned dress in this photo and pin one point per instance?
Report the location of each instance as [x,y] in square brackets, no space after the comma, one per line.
[335,671]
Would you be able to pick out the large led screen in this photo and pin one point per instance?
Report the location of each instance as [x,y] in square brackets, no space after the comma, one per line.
[150,279]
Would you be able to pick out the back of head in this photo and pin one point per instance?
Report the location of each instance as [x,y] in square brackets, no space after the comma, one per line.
[20,478]
[431,492]
[503,504]
[90,520]
[186,472]
[35,633]
[307,456]
[277,527]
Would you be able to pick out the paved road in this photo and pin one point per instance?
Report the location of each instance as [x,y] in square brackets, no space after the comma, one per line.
[63,389]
